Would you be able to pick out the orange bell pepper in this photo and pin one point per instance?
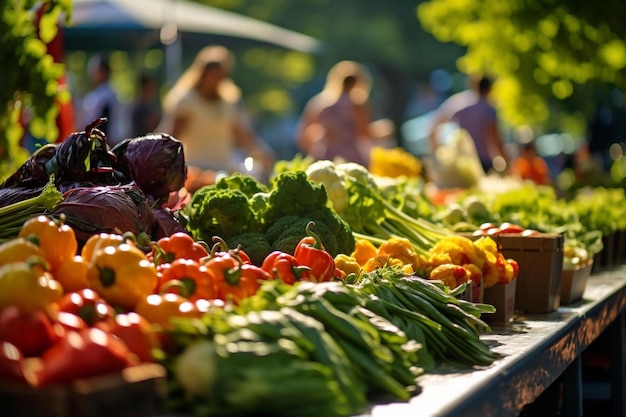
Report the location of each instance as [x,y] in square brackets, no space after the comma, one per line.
[159,309]
[72,273]
[188,278]
[234,279]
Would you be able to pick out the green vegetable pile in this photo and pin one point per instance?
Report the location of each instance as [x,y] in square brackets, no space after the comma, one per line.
[446,326]
[373,212]
[314,349]
[262,218]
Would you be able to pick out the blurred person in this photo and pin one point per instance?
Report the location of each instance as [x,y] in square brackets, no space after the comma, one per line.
[145,112]
[203,111]
[472,111]
[336,123]
[529,165]
[101,101]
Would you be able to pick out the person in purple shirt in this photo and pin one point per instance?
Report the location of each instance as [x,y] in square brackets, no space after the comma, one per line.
[472,111]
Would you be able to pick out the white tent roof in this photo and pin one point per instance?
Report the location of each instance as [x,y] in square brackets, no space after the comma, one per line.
[187,16]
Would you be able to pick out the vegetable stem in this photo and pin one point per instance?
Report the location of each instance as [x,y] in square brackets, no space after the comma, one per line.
[49,197]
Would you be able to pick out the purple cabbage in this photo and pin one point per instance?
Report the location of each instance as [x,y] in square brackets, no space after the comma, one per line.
[156,163]
[108,209]
[83,157]
[13,195]
[165,223]
[33,173]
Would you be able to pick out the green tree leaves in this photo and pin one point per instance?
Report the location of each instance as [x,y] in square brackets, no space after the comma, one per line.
[29,82]
[544,52]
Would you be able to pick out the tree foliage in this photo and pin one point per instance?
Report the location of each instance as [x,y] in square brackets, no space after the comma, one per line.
[29,81]
[550,57]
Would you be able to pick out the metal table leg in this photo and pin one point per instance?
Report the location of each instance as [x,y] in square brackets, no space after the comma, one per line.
[573,389]
[618,363]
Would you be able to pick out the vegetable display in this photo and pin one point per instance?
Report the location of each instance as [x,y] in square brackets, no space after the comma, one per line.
[262,219]
[321,292]
[98,188]
[327,334]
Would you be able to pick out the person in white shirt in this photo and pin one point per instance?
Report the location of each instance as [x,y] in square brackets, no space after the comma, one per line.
[203,111]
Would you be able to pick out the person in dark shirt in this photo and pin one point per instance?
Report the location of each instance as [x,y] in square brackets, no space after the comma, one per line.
[102,101]
[472,111]
[145,112]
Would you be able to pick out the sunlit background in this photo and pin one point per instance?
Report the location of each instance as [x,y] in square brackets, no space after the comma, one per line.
[559,66]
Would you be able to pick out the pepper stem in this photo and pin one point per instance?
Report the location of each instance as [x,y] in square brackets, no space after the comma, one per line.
[233,275]
[107,277]
[318,241]
[186,286]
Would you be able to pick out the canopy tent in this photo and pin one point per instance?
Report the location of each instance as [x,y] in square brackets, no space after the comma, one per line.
[101,25]
[114,24]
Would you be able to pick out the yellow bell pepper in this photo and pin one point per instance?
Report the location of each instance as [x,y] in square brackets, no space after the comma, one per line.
[18,250]
[394,162]
[451,275]
[28,286]
[401,249]
[122,275]
[364,250]
[347,264]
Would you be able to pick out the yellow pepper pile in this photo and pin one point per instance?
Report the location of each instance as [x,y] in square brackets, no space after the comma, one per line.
[395,252]
[394,162]
[455,260]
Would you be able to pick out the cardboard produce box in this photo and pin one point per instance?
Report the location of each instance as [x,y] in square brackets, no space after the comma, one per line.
[540,259]
[574,282]
[502,297]
[136,392]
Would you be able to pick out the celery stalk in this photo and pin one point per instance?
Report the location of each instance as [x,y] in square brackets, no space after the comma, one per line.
[49,197]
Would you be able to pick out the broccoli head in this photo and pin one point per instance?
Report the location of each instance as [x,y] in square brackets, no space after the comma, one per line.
[292,193]
[214,211]
[247,184]
[255,244]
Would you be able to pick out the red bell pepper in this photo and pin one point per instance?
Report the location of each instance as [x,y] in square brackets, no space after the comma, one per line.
[11,360]
[69,322]
[88,305]
[30,332]
[284,266]
[83,354]
[311,252]
[177,246]
[220,248]
[135,330]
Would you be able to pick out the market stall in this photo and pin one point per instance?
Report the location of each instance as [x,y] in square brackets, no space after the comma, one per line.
[328,290]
